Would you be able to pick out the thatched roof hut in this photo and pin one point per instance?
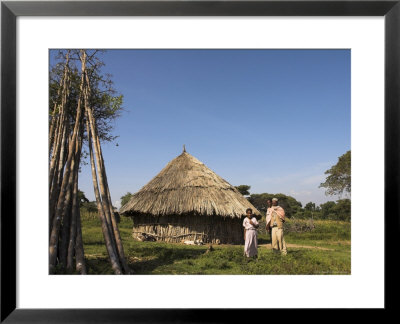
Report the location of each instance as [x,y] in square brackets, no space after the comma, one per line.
[188,201]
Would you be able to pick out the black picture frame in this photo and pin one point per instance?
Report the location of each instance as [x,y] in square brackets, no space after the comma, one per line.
[10,10]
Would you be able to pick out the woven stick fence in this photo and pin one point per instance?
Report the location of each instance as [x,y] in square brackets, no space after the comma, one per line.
[174,228]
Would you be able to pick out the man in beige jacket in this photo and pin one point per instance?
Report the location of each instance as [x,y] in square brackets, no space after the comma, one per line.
[275,220]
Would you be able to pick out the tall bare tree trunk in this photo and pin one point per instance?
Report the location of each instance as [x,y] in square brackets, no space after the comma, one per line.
[56,151]
[63,118]
[69,208]
[112,253]
[74,214]
[53,127]
[102,183]
[65,231]
[79,252]
[58,177]
[55,121]
[117,233]
[66,183]
[65,224]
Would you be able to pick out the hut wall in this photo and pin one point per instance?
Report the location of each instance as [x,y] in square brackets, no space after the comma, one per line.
[176,228]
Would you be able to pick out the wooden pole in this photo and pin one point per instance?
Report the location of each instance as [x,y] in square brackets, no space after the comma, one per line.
[65,147]
[102,183]
[66,183]
[74,213]
[104,224]
[63,119]
[79,252]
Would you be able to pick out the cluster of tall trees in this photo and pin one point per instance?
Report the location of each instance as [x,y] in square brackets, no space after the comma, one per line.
[339,210]
[82,105]
[338,182]
[291,205]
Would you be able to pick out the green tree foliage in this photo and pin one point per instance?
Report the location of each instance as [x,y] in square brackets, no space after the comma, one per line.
[339,176]
[310,206]
[339,210]
[291,205]
[327,210]
[243,189]
[82,198]
[90,206]
[126,198]
[309,211]
[89,209]
[342,209]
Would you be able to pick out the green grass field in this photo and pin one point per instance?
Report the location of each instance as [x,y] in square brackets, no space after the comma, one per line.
[305,255]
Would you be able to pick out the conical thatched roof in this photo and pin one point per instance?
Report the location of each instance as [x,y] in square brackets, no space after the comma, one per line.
[186,186]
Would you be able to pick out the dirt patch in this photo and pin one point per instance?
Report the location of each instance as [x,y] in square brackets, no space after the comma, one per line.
[95,256]
[342,242]
[289,245]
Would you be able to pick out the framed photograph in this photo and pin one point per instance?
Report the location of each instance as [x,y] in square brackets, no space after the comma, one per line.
[324,75]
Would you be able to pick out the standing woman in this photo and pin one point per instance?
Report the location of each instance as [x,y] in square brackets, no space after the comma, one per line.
[250,225]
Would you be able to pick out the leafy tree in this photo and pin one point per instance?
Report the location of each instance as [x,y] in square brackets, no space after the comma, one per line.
[339,210]
[309,211]
[291,205]
[126,198]
[243,189]
[342,209]
[339,176]
[82,198]
[310,206]
[90,207]
[327,209]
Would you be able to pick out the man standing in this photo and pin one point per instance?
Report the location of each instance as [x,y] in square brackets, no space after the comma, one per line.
[275,219]
[268,216]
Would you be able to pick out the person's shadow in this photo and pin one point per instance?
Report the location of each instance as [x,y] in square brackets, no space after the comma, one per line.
[165,256]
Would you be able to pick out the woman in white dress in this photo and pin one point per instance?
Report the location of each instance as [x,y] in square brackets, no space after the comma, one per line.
[250,225]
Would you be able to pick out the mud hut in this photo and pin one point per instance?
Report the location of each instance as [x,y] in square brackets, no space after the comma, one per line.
[188,201]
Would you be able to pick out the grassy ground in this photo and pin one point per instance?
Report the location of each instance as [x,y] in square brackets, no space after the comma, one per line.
[166,258]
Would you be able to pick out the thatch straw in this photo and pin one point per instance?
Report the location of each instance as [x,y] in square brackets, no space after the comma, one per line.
[187,186]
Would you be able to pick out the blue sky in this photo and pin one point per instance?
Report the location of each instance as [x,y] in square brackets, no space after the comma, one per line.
[271,119]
